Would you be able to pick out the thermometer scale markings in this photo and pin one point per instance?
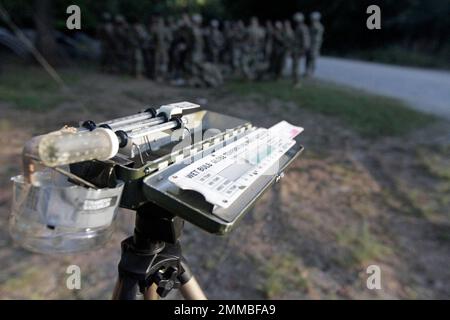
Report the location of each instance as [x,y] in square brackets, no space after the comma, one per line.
[222,176]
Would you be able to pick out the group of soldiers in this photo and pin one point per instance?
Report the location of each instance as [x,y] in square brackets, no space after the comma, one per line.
[184,51]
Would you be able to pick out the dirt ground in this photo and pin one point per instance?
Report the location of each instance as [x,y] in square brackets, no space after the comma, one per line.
[345,204]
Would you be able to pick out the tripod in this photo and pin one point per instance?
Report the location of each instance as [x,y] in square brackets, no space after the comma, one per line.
[151,259]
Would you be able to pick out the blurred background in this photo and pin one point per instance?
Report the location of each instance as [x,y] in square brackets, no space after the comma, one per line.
[372,187]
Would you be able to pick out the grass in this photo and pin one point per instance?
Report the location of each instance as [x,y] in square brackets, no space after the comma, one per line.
[283,273]
[436,162]
[32,88]
[433,201]
[360,246]
[370,115]
[30,100]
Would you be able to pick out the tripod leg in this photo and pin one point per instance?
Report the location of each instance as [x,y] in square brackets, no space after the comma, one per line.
[150,293]
[125,289]
[191,290]
[117,288]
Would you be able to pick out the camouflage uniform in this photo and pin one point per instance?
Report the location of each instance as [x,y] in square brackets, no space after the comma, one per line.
[161,38]
[172,27]
[227,56]
[198,42]
[253,51]
[268,44]
[124,45]
[238,42]
[289,37]
[210,76]
[106,36]
[196,57]
[140,39]
[215,42]
[279,50]
[301,44]
[316,34]
[180,47]
[201,73]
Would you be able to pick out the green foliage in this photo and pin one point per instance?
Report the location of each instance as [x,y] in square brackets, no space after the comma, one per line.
[370,115]
[414,25]
[91,11]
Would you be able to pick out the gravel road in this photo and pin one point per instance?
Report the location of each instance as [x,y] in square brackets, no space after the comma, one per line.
[423,89]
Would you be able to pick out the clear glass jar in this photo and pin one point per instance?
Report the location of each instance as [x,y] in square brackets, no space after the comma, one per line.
[53,215]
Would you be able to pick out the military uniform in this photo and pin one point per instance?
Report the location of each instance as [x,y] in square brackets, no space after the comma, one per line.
[140,43]
[215,41]
[268,45]
[238,42]
[316,33]
[301,44]
[252,58]
[227,52]
[289,39]
[201,73]
[161,38]
[124,46]
[279,50]
[106,35]
[180,48]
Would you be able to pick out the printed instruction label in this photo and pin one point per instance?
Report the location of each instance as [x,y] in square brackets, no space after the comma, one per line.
[222,176]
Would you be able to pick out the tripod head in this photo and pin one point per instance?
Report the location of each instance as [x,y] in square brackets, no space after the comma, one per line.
[152,256]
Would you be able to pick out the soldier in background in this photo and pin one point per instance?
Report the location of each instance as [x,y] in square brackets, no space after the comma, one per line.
[289,38]
[211,75]
[215,41]
[162,39]
[148,52]
[316,34]
[253,53]
[238,40]
[268,46]
[227,51]
[123,44]
[195,52]
[201,73]
[180,47]
[140,40]
[172,26]
[301,45]
[279,50]
[106,35]
[177,49]
[198,42]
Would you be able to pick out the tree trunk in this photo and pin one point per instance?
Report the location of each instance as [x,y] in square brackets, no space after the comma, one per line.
[45,36]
